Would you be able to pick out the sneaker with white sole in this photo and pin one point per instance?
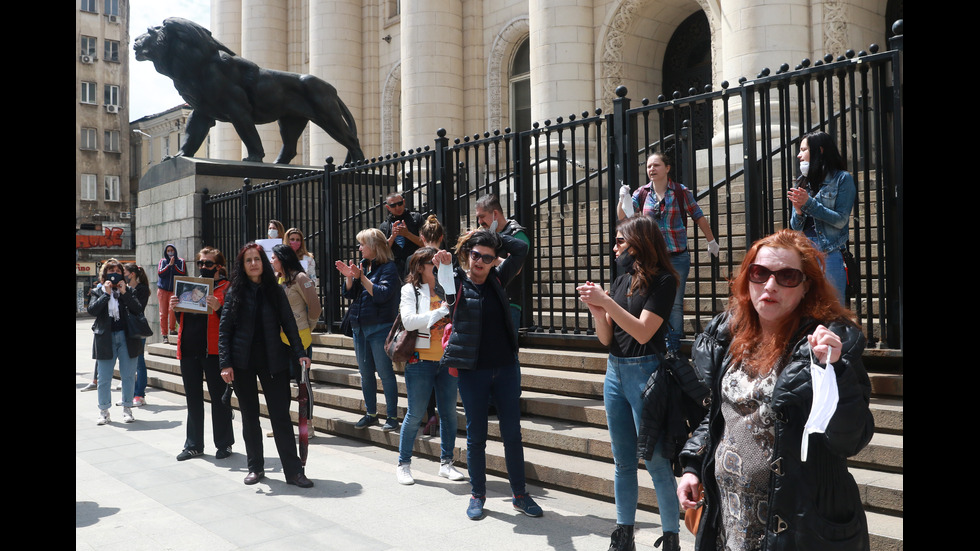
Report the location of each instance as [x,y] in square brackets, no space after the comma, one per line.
[404,474]
[446,470]
[139,401]
[89,387]
[103,417]
[128,415]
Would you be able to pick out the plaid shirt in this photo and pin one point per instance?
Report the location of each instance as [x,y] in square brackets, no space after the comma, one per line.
[668,214]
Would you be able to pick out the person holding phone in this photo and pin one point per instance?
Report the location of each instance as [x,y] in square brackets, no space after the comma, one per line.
[111,305]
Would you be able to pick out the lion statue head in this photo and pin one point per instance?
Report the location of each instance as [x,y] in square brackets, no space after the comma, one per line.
[177,43]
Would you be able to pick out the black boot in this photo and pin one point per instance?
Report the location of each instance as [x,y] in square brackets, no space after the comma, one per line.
[670,541]
[622,538]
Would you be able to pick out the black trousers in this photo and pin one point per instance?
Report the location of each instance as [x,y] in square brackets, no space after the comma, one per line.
[195,371]
[278,400]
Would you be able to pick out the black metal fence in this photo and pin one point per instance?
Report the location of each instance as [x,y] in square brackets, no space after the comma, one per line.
[561,179]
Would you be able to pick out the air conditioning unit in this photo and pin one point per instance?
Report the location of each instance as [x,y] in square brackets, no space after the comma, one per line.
[112,108]
[113,19]
[87,59]
[125,215]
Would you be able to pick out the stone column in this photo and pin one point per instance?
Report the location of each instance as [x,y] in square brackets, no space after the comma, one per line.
[758,34]
[336,57]
[226,26]
[432,70]
[264,41]
[562,58]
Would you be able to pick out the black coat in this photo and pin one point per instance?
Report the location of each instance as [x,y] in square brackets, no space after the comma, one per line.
[813,505]
[237,327]
[98,306]
[463,348]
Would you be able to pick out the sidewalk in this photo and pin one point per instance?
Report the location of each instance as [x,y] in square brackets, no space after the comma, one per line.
[131,494]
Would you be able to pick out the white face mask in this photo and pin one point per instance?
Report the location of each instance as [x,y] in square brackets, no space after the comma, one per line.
[273,234]
[804,167]
[446,280]
[493,225]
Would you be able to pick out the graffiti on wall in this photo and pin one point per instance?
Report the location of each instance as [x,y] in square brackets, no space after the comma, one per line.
[113,238]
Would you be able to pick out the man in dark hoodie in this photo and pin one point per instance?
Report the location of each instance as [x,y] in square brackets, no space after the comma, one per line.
[169,266]
[402,230]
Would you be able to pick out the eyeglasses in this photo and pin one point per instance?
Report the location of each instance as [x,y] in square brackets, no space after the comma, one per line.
[485,258]
[787,277]
[398,204]
[205,263]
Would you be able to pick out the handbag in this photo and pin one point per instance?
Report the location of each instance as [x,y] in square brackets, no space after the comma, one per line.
[345,326]
[692,517]
[400,343]
[137,326]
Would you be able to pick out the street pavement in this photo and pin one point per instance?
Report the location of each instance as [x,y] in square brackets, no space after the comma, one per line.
[132,494]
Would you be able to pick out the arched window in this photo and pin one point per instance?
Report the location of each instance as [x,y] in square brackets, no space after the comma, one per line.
[687,64]
[520,88]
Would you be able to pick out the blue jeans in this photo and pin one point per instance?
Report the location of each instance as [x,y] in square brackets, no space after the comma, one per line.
[420,379]
[836,273]
[623,396]
[127,372]
[681,263]
[369,347]
[476,386]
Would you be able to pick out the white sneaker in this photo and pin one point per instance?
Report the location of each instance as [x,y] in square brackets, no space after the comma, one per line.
[128,415]
[103,417]
[139,401]
[404,474]
[446,470]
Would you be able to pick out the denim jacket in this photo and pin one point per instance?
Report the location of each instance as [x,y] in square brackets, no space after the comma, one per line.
[831,211]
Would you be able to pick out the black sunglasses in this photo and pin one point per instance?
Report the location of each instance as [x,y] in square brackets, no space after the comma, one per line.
[485,258]
[205,263]
[398,204]
[787,277]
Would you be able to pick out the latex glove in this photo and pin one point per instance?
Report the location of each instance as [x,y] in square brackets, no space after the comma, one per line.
[713,247]
[626,200]
[438,314]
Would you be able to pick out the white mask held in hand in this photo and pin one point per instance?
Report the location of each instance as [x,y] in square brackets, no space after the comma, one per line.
[804,167]
[825,396]
[626,200]
[447,282]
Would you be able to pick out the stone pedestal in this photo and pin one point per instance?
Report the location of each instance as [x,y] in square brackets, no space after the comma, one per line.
[170,210]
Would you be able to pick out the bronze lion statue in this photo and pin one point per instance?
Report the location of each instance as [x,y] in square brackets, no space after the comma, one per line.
[221,86]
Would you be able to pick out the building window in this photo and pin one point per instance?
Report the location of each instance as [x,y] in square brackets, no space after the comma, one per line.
[89,44]
[111,7]
[111,50]
[88,188]
[88,140]
[88,5]
[165,147]
[520,88]
[111,140]
[88,92]
[112,188]
[111,96]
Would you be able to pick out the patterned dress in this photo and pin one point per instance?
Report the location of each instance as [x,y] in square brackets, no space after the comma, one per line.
[742,458]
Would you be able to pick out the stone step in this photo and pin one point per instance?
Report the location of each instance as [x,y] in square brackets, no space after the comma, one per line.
[557,452]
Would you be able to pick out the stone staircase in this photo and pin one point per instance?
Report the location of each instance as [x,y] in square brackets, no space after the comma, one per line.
[563,425]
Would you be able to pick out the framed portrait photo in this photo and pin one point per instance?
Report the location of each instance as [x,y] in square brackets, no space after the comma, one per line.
[193,294]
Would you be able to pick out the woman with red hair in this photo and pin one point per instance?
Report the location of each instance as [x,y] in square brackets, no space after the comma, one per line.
[760,491]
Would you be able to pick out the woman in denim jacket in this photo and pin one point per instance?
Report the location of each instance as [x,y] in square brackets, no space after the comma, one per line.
[822,207]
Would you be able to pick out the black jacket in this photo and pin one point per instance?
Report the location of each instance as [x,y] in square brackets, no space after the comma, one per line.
[813,505]
[671,410]
[237,327]
[463,348]
[98,306]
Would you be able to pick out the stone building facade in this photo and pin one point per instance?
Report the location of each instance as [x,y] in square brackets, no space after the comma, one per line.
[408,67]
[103,198]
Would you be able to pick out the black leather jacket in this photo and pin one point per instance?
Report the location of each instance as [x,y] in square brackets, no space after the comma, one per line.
[98,306]
[237,327]
[813,505]
[464,341]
